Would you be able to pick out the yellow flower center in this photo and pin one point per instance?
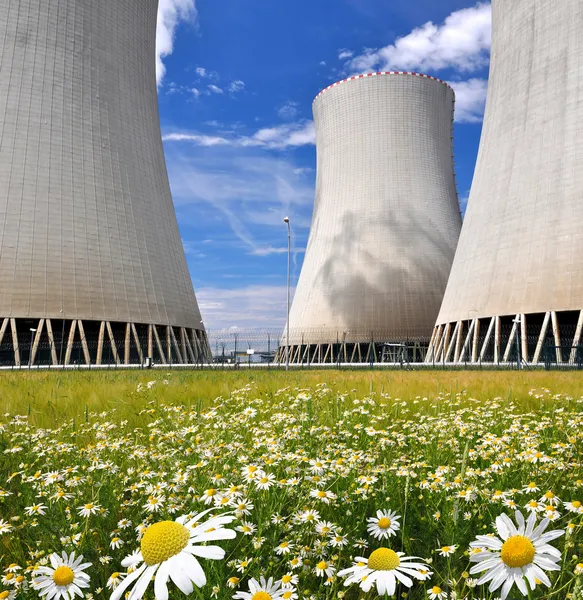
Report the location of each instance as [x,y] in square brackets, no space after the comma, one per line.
[114,575]
[322,565]
[384,523]
[517,551]
[286,579]
[287,595]
[163,540]
[261,596]
[4,595]
[446,549]
[321,494]
[576,504]
[383,559]
[436,589]
[63,576]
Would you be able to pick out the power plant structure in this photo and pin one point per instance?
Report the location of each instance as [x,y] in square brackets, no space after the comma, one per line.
[92,268]
[385,225]
[515,292]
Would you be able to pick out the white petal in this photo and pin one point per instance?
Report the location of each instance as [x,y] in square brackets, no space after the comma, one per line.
[123,586]
[143,583]
[530,524]
[520,522]
[161,582]
[382,584]
[484,565]
[211,536]
[179,576]
[505,588]
[211,552]
[399,573]
[193,569]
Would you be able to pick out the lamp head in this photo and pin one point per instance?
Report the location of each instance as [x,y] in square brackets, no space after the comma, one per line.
[286,219]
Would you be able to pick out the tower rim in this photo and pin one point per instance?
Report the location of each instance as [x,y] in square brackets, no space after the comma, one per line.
[377,73]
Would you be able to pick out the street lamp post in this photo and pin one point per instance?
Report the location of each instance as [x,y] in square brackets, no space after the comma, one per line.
[286,221]
[518,322]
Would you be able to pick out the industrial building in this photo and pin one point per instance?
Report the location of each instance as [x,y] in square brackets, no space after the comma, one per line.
[386,221]
[516,287]
[92,268]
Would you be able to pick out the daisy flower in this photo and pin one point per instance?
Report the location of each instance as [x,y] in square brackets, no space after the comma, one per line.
[114,580]
[447,550]
[5,527]
[323,495]
[63,579]
[519,552]
[261,590]
[289,581]
[324,569]
[11,594]
[35,509]
[385,568]
[265,481]
[384,525]
[88,509]
[574,506]
[169,550]
[284,548]
[289,595]
[436,593]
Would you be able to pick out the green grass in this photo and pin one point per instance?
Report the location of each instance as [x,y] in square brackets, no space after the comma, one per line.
[51,398]
[447,451]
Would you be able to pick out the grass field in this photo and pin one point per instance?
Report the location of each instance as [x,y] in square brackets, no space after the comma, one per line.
[303,462]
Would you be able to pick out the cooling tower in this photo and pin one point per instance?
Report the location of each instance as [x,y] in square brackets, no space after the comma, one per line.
[386,219]
[92,268]
[517,278]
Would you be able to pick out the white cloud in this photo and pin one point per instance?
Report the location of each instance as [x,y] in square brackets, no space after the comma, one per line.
[462,42]
[251,190]
[195,92]
[279,137]
[470,100]
[215,89]
[254,306]
[201,71]
[170,13]
[289,110]
[237,86]
[344,54]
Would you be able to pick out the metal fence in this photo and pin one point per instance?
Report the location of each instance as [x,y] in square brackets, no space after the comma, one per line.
[257,348]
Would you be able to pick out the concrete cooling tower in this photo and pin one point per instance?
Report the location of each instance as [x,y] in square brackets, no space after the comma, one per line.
[92,268]
[516,285]
[386,219]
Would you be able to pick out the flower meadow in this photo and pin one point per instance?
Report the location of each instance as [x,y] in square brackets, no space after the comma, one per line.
[301,493]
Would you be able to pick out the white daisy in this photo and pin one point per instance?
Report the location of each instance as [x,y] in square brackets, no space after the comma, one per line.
[324,495]
[386,568]
[436,593]
[168,551]
[261,590]
[519,552]
[65,578]
[114,580]
[324,569]
[447,550]
[574,506]
[384,525]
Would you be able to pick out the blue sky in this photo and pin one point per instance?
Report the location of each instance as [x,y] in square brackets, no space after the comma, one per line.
[236,83]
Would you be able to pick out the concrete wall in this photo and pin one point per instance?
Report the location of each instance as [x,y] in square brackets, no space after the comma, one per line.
[521,246]
[386,219]
[87,225]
